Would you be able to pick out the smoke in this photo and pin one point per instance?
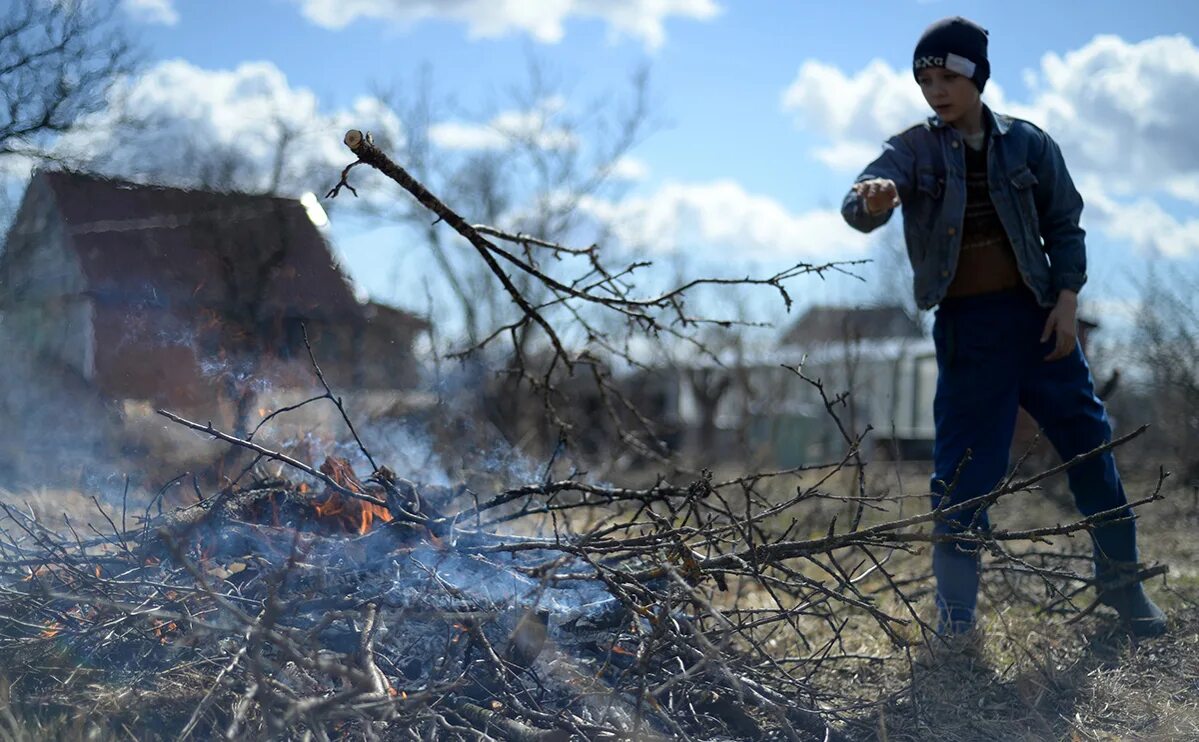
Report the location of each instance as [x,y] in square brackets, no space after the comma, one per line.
[53,426]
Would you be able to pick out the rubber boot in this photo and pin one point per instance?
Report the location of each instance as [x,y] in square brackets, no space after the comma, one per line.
[956,569]
[1120,589]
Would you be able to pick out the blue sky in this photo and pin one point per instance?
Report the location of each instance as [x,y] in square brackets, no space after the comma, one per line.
[770,107]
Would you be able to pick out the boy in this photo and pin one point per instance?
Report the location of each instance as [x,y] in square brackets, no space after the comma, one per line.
[990,219]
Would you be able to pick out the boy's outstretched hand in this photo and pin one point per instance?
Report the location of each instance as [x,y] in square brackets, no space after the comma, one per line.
[1062,324]
[879,194]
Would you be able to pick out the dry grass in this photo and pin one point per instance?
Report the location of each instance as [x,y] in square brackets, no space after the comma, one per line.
[1027,675]
[143,709]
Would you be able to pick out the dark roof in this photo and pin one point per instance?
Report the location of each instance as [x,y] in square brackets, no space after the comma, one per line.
[838,324]
[173,246]
[377,313]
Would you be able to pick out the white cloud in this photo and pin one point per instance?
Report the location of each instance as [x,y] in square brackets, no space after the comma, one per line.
[852,112]
[1183,187]
[1141,222]
[847,156]
[543,20]
[152,11]
[464,136]
[722,219]
[507,129]
[857,113]
[629,169]
[1124,114]
[1121,109]
[192,126]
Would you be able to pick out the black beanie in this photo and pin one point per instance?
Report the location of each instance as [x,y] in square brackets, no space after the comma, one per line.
[957,45]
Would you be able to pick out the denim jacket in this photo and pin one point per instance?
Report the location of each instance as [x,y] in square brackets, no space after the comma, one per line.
[1033,194]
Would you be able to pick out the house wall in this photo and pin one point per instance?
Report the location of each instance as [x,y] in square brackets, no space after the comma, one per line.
[41,287]
[771,408]
[384,359]
[54,425]
[150,354]
[91,349]
[335,345]
[188,358]
[58,328]
[353,355]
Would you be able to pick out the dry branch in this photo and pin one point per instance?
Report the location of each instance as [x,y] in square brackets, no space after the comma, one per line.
[578,304]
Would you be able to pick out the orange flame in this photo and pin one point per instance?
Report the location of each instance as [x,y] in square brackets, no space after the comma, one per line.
[51,630]
[161,628]
[356,516]
[41,570]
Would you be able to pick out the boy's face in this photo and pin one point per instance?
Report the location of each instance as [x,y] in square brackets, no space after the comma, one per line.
[951,95]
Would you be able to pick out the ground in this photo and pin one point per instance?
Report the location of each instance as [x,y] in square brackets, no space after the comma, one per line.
[1029,673]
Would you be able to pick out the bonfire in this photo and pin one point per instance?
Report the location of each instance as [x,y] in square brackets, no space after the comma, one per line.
[334,602]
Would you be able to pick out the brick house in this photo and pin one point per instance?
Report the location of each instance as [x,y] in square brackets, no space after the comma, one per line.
[188,299]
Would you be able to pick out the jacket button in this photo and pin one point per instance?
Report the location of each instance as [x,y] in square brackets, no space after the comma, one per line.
[944,274]
[954,144]
[952,231]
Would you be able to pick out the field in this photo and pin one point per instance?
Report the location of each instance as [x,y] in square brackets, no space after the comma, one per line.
[1032,674]
[1039,668]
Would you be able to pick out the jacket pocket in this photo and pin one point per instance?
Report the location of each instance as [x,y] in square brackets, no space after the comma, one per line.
[930,187]
[930,184]
[1024,183]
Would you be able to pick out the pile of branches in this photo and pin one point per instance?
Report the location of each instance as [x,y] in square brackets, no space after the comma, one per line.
[263,611]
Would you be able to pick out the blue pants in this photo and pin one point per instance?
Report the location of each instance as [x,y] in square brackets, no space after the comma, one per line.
[989,363]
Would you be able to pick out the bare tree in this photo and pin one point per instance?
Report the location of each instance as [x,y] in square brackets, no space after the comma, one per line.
[57,62]
[893,273]
[562,323]
[528,179]
[1166,339]
[544,162]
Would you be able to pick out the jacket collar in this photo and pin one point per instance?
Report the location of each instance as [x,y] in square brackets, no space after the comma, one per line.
[999,124]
